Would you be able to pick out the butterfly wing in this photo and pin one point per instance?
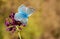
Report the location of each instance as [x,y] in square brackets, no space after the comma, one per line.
[24,21]
[21,17]
[22,8]
[28,10]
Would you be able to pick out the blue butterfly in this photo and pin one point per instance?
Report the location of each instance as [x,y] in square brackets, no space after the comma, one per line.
[23,14]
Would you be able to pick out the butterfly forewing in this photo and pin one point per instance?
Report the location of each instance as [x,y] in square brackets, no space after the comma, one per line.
[28,10]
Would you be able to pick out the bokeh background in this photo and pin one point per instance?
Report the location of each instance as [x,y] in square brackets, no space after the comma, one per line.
[43,24]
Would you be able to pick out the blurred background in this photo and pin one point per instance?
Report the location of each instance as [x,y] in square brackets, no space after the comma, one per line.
[43,24]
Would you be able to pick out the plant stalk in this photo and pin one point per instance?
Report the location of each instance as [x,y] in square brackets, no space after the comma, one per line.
[19,34]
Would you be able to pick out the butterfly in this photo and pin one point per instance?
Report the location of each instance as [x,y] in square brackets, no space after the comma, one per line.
[23,13]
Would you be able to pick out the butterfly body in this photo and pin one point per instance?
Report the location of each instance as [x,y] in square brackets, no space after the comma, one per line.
[23,14]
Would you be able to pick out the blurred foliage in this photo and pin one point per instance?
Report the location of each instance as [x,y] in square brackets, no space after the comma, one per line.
[44,20]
